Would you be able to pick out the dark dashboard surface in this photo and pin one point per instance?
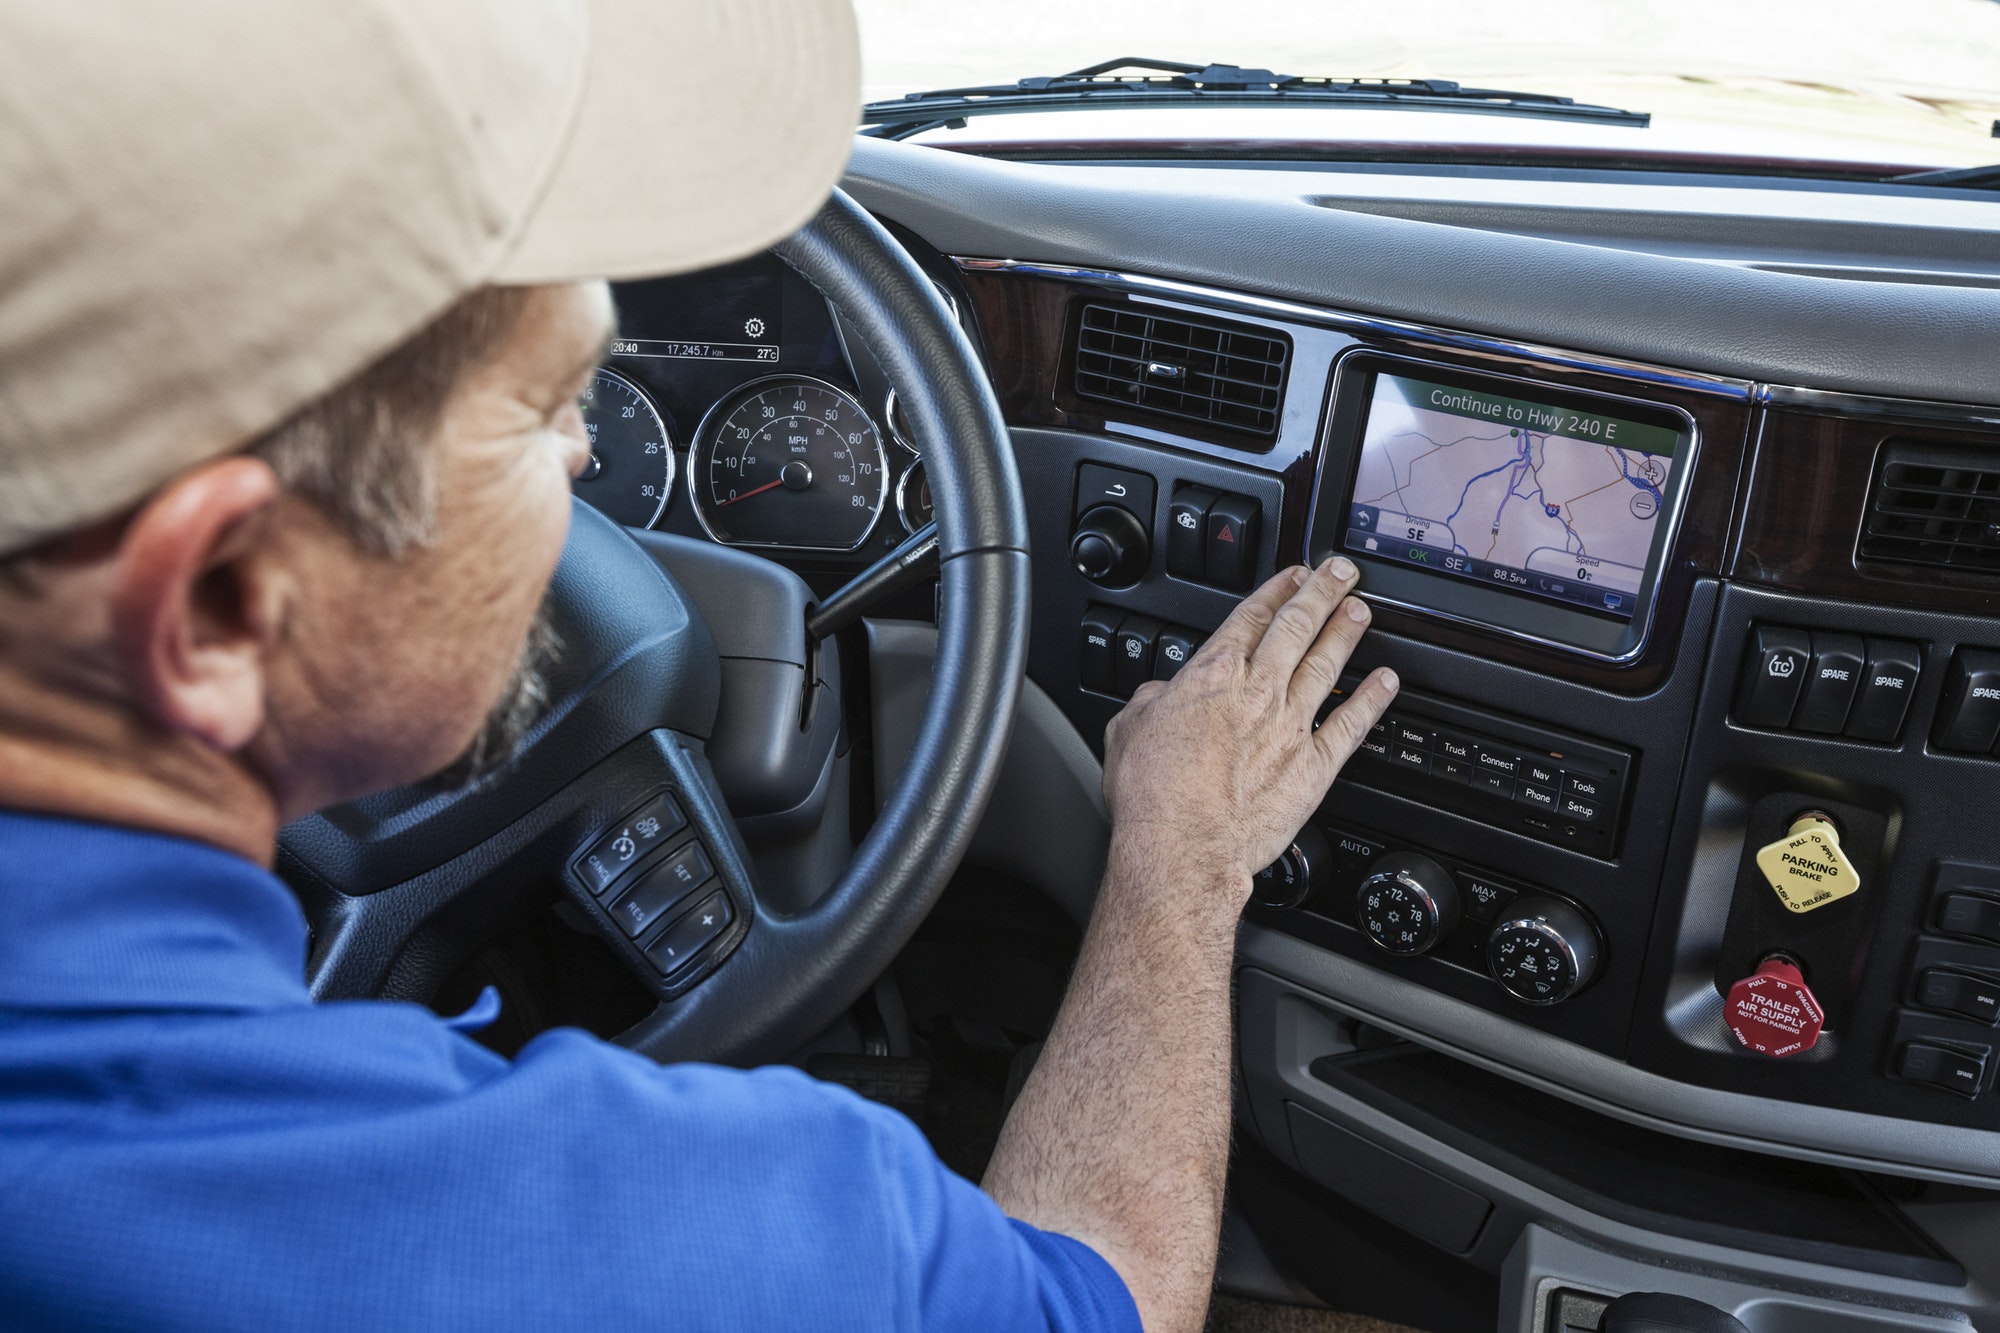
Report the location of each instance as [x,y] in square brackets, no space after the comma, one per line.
[1807,483]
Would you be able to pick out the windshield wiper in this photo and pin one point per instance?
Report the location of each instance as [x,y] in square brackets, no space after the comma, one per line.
[1170,83]
[1963,178]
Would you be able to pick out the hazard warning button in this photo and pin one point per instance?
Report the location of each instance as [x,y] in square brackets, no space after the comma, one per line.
[1232,542]
[1773,1011]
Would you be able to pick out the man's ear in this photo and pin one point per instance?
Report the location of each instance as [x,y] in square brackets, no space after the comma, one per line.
[193,609]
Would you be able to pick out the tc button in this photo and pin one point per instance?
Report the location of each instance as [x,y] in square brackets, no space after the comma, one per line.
[1774,668]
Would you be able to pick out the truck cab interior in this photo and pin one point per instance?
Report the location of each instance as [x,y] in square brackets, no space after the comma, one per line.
[1652,942]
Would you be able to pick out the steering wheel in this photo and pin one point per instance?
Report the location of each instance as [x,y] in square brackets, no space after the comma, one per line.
[399,888]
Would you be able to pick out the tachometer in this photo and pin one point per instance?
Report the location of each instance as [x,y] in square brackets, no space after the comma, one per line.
[788,462]
[631,469]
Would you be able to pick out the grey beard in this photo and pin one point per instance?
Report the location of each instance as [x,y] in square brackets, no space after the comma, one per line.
[519,705]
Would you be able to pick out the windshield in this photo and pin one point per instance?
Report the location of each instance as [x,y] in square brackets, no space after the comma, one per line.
[1908,85]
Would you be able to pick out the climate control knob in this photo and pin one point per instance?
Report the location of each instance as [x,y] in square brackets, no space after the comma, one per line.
[1543,950]
[1110,547]
[1297,875]
[1407,905]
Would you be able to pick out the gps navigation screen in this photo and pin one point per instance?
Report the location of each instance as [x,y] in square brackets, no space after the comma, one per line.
[1526,496]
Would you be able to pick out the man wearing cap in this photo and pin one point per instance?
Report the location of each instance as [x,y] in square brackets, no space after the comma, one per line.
[296,301]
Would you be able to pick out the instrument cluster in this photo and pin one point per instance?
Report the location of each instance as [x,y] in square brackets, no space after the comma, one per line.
[732,405]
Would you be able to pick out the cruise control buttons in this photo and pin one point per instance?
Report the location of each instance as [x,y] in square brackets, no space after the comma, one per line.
[1773,1012]
[678,945]
[1806,867]
[606,861]
[1543,950]
[1408,904]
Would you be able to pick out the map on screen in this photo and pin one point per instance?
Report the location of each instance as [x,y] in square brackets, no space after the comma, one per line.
[1521,495]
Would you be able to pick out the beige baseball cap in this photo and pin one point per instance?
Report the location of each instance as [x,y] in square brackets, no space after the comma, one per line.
[218,210]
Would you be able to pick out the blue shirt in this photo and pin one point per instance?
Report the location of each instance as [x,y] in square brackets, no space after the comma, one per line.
[187,1142]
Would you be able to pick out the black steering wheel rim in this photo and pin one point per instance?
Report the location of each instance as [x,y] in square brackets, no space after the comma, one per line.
[402,887]
[819,961]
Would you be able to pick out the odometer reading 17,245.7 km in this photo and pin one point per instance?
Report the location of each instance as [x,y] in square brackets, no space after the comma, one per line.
[788,462]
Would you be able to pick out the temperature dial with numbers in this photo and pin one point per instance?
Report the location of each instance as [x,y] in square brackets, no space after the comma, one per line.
[1407,905]
[1543,950]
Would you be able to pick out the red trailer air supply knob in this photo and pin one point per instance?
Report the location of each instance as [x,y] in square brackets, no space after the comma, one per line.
[1773,1012]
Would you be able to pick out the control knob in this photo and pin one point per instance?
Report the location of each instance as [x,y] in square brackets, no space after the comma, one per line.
[1110,547]
[1294,877]
[1543,950]
[1408,904]
[1772,1011]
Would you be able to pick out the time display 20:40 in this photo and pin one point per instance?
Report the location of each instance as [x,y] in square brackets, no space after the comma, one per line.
[789,462]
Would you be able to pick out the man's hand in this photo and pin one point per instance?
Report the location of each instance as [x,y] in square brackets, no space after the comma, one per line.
[1121,1135]
[1220,767]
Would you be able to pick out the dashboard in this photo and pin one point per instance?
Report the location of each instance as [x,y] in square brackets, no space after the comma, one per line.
[731,406]
[1688,556]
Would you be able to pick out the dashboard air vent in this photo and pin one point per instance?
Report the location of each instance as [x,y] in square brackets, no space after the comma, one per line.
[1224,374]
[1935,505]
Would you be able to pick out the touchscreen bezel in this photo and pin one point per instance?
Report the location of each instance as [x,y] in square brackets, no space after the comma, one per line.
[1516,615]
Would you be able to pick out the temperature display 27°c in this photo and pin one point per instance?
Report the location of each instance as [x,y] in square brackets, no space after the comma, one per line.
[788,462]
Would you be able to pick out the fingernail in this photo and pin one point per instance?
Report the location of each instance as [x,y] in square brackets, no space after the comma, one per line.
[1390,679]
[1343,568]
[1300,575]
[1357,610]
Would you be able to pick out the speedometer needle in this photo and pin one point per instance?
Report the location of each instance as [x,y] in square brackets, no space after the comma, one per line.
[747,494]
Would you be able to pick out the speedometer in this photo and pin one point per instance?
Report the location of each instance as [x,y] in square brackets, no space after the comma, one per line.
[788,462]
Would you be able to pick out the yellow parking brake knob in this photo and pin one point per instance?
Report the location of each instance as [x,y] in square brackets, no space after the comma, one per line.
[1806,867]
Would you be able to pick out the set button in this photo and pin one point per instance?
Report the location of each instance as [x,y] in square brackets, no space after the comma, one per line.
[683,870]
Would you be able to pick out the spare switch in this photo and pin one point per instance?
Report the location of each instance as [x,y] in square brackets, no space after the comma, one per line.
[1773,1012]
[1094,662]
[1806,867]
[1835,674]
[1887,685]
[1969,713]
